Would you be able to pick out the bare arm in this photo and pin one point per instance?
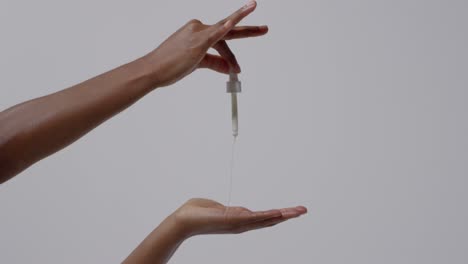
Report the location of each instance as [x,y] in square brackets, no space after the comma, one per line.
[38,128]
[200,217]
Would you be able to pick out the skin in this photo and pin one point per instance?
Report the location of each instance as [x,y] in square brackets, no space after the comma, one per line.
[33,130]
[200,217]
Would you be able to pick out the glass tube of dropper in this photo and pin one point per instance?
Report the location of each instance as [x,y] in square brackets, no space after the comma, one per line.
[235,115]
[234,87]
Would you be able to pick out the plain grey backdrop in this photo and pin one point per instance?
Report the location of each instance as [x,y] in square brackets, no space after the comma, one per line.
[355,109]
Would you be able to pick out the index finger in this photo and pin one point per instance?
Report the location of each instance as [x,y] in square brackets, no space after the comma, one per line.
[240,14]
[227,24]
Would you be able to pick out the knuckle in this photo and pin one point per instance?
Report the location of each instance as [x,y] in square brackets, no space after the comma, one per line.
[194,22]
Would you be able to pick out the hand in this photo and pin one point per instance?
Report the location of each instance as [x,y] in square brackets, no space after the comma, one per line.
[201,216]
[186,50]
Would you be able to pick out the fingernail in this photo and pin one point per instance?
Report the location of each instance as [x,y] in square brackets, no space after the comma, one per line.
[249,4]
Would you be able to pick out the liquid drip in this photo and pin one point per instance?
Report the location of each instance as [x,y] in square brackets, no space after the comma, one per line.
[231,171]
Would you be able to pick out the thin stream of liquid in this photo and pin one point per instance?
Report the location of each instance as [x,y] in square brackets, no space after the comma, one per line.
[232,171]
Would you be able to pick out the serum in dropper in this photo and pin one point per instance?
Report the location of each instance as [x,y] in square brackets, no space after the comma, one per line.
[234,87]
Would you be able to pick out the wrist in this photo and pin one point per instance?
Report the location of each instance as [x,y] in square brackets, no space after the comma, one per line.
[151,69]
[177,229]
[147,72]
[160,245]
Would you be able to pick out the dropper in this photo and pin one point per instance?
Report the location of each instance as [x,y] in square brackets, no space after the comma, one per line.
[234,87]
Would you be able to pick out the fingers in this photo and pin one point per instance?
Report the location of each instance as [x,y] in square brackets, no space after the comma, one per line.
[239,216]
[215,63]
[246,32]
[242,220]
[223,63]
[240,14]
[239,32]
[258,225]
[263,215]
[286,214]
[225,52]
[293,212]
[302,209]
[227,24]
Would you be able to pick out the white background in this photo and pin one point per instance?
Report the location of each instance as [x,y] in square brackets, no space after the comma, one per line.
[355,109]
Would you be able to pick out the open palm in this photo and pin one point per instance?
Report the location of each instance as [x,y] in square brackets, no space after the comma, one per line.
[202,216]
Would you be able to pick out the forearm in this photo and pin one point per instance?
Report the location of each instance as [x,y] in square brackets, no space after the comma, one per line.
[203,217]
[38,128]
[160,245]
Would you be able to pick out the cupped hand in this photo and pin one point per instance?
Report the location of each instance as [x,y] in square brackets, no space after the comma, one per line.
[186,50]
[201,216]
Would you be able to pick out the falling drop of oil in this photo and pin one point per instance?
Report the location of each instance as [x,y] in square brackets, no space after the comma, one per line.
[231,176]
